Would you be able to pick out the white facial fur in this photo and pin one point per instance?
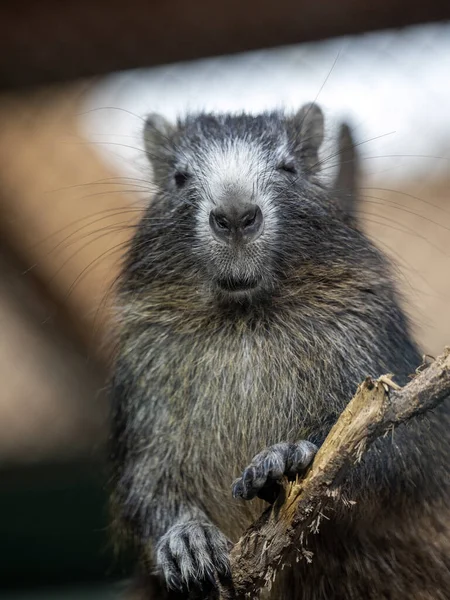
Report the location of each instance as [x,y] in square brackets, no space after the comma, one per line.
[240,168]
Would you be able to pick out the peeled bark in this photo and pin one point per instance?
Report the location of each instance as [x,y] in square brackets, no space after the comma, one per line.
[377,407]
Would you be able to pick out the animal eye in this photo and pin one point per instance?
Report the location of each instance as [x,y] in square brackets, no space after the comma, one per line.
[288,168]
[181,177]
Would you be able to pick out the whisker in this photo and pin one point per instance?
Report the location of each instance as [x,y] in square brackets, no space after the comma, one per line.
[403,228]
[407,195]
[397,206]
[118,108]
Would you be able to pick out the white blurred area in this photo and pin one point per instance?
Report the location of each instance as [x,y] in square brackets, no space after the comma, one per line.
[393,87]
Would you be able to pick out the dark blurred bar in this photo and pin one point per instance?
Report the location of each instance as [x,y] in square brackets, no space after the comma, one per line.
[54,40]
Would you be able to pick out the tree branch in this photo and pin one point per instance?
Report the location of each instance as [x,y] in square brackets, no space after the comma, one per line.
[377,407]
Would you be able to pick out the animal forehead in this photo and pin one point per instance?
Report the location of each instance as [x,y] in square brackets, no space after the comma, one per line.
[235,162]
[237,144]
[242,125]
[234,152]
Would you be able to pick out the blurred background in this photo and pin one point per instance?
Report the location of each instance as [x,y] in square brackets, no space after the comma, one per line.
[76,81]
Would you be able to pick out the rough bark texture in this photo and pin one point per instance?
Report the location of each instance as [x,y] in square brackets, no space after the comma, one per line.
[377,407]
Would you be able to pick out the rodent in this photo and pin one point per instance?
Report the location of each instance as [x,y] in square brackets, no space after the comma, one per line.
[251,306]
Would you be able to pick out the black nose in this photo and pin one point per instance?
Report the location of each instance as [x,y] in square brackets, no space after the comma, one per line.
[235,225]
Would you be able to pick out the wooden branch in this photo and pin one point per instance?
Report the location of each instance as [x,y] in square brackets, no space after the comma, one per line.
[376,408]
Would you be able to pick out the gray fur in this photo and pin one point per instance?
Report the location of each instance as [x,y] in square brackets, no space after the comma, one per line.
[207,378]
[192,551]
[309,125]
[346,182]
[269,466]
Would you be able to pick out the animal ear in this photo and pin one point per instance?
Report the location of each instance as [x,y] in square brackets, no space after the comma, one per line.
[309,126]
[157,132]
[345,185]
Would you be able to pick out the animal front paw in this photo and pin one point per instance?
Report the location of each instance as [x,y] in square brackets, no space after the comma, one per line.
[262,477]
[193,557]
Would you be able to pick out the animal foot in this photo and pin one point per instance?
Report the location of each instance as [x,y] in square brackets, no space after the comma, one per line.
[193,557]
[262,477]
